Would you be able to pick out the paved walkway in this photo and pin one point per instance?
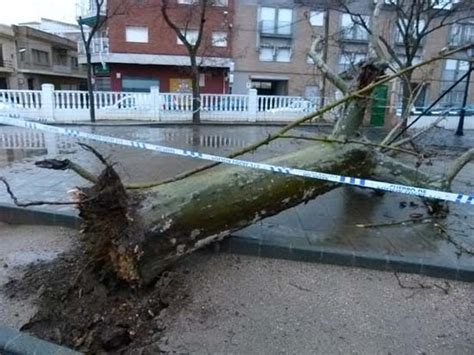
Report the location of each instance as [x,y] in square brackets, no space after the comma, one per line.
[323,230]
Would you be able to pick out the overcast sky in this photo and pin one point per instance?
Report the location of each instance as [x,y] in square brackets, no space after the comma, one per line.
[14,11]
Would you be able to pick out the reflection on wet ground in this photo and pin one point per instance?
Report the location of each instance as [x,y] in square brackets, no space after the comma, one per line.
[330,221]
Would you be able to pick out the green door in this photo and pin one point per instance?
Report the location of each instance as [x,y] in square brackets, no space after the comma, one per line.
[379,96]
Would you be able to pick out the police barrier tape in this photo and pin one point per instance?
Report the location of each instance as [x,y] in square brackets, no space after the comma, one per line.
[378,185]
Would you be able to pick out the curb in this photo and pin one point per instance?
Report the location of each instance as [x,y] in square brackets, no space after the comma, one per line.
[239,244]
[375,261]
[14,342]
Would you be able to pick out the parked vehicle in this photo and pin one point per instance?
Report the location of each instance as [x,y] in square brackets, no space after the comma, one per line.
[297,106]
[129,103]
[415,110]
[442,109]
[468,109]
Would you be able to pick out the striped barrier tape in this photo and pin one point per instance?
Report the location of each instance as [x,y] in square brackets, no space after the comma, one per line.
[373,184]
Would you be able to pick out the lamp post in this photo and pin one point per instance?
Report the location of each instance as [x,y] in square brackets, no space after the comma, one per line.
[460,129]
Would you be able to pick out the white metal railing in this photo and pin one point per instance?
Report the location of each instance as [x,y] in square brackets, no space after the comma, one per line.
[217,102]
[293,104]
[20,99]
[177,102]
[107,100]
[71,105]
[22,140]
[99,45]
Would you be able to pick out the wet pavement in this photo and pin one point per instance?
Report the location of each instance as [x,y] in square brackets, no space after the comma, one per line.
[328,224]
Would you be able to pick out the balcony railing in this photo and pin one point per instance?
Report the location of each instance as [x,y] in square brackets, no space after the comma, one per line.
[99,45]
[6,64]
[276,28]
[87,9]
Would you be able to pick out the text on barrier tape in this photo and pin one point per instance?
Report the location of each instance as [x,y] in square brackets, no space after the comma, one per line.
[373,184]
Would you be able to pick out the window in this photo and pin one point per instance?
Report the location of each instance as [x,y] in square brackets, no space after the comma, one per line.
[353,28]
[283,55]
[348,60]
[74,63]
[138,84]
[276,21]
[40,57]
[453,70]
[219,39]
[266,54]
[136,34]
[187,2]
[60,56]
[316,18]
[275,54]
[461,34]
[190,35]
[413,30]
[220,3]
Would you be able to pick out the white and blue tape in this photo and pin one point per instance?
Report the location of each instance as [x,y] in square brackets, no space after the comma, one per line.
[377,185]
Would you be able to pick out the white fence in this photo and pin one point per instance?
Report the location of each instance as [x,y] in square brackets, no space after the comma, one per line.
[73,106]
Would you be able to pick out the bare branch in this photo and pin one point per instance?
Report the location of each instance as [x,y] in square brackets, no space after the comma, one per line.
[32,203]
[325,69]
[458,165]
[419,133]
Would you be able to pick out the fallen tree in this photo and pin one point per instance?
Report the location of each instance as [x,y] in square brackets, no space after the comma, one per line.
[137,233]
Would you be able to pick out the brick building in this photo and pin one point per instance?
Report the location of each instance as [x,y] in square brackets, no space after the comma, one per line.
[272,39]
[264,44]
[137,49]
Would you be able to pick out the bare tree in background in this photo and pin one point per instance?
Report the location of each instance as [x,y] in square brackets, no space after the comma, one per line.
[94,24]
[412,22]
[196,46]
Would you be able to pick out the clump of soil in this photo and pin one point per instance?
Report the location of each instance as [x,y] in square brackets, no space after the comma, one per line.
[89,311]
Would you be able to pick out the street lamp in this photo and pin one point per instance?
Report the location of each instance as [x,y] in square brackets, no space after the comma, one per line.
[459,130]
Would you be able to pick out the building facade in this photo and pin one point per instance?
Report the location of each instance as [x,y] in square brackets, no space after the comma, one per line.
[272,39]
[7,58]
[136,49]
[62,29]
[264,44]
[44,58]
[30,58]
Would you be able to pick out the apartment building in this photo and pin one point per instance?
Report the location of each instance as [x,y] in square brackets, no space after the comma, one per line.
[62,29]
[263,44]
[46,58]
[7,57]
[136,49]
[272,39]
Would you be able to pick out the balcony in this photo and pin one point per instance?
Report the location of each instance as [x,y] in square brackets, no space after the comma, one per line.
[280,29]
[86,12]
[6,65]
[99,46]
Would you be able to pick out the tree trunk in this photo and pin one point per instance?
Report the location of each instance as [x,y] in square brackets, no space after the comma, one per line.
[90,86]
[139,235]
[195,72]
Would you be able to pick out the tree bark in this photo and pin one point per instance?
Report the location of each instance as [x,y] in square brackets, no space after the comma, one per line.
[137,236]
[90,85]
[195,72]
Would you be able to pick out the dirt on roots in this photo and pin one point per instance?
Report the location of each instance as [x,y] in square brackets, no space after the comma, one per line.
[88,310]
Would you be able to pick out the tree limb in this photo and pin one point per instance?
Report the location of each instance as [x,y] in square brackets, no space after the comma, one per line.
[458,165]
[419,133]
[32,203]
[325,69]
